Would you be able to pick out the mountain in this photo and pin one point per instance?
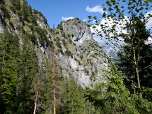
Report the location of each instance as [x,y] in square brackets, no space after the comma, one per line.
[111,52]
[79,53]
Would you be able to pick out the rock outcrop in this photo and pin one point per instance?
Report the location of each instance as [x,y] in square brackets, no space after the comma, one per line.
[79,55]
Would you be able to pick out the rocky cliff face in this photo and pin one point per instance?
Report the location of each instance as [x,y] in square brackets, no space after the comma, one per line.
[79,55]
[87,59]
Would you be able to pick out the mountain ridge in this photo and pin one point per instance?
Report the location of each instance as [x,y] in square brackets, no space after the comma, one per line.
[71,37]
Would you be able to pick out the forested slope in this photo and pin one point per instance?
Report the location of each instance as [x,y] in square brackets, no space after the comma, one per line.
[62,70]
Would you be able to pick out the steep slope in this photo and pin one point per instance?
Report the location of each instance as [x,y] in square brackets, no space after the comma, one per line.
[86,58]
[79,55]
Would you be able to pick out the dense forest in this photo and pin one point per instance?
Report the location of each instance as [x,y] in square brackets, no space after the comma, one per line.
[28,87]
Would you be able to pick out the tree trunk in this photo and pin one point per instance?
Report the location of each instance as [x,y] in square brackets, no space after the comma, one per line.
[54,86]
[35,102]
[90,109]
[3,59]
[137,73]
[72,106]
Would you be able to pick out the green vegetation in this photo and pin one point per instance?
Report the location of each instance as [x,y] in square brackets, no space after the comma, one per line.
[81,56]
[58,44]
[70,41]
[18,67]
[16,4]
[6,14]
[24,11]
[31,83]
[13,9]
[60,26]
[56,32]
[51,44]
[11,24]
[42,35]
[64,43]
[129,76]
[68,53]
[68,35]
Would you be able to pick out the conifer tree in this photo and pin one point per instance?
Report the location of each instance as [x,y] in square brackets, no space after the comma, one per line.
[74,97]
[28,72]
[9,70]
[25,10]
[136,48]
[37,86]
[52,98]
[17,4]
[121,23]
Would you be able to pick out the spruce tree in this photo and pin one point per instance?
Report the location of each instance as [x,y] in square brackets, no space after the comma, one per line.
[25,11]
[114,33]
[38,87]
[136,48]
[9,71]
[28,72]
[53,92]
[74,97]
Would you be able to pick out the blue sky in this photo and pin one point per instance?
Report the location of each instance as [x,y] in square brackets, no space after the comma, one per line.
[57,11]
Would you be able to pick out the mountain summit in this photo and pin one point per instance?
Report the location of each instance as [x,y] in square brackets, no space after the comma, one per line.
[73,38]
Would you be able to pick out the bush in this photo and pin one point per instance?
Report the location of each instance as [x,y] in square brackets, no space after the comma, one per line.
[11,24]
[33,20]
[60,26]
[51,43]
[60,50]
[63,34]
[74,44]
[81,56]
[42,34]
[70,41]
[86,71]
[31,27]
[19,13]
[57,33]
[68,35]
[16,4]
[77,18]
[13,9]
[64,43]
[58,44]
[6,14]
[92,74]
[38,30]
[33,38]
[68,53]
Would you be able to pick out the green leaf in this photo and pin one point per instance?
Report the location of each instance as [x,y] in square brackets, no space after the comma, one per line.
[104,8]
[122,6]
[95,17]
[89,17]
[104,15]
[94,27]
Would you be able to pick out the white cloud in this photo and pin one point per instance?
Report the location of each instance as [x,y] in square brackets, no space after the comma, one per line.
[98,39]
[149,24]
[95,9]
[66,18]
[85,19]
[110,23]
[119,28]
[149,41]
